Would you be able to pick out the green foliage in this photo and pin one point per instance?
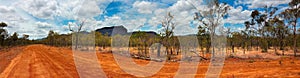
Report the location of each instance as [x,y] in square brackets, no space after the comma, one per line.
[13,40]
[55,39]
[102,40]
[292,15]
[2,24]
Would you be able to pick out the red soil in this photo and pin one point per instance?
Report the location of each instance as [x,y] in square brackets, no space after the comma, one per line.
[51,62]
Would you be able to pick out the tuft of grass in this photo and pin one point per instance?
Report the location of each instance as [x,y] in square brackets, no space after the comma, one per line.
[251,61]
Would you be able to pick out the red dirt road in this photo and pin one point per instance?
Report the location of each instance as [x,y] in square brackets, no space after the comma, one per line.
[40,61]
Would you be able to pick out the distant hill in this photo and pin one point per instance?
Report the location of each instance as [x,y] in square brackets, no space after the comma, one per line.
[121,30]
[113,30]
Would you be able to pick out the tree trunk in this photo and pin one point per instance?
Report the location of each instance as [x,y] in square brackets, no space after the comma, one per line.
[171,50]
[257,44]
[76,41]
[177,50]
[283,52]
[213,51]
[251,44]
[232,47]
[201,47]
[158,50]
[295,40]
[145,50]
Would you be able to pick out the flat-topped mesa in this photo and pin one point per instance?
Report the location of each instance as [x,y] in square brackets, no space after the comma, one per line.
[121,30]
[113,30]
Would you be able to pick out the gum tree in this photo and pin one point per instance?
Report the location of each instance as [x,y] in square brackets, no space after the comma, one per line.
[292,15]
[212,17]
[76,32]
[167,33]
[3,33]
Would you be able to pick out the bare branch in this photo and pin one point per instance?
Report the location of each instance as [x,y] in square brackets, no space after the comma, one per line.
[80,25]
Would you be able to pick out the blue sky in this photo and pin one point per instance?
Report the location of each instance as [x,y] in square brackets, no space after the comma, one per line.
[37,17]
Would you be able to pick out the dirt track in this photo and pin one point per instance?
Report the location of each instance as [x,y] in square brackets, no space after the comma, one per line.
[41,61]
[36,61]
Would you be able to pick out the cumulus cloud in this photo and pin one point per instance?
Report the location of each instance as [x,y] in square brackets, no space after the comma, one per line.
[238,15]
[43,25]
[5,9]
[144,6]
[183,11]
[37,17]
[39,8]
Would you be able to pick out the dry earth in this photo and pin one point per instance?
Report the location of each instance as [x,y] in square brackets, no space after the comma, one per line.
[40,61]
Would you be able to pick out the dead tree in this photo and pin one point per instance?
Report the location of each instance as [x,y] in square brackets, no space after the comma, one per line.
[76,32]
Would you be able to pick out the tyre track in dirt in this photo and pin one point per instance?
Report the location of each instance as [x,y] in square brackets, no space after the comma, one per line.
[7,55]
[39,61]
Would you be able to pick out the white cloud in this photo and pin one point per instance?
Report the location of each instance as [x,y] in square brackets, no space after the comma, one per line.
[15,22]
[182,5]
[238,15]
[89,9]
[43,25]
[150,12]
[144,6]
[183,12]
[21,15]
[38,8]
[158,17]
[262,3]
[5,9]
[143,12]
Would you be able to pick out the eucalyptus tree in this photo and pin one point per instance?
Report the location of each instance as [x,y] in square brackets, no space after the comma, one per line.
[279,33]
[50,37]
[76,32]
[212,17]
[142,40]
[260,23]
[14,38]
[24,39]
[204,39]
[3,33]
[98,39]
[292,15]
[237,38]
[250,32]
[167,33]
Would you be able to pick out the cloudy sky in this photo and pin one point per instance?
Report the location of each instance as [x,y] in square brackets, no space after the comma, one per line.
[37,17]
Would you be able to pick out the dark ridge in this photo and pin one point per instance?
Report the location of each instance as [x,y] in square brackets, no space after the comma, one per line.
[113,30]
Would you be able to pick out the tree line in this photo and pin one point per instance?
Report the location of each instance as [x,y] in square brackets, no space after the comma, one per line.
[7,40]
